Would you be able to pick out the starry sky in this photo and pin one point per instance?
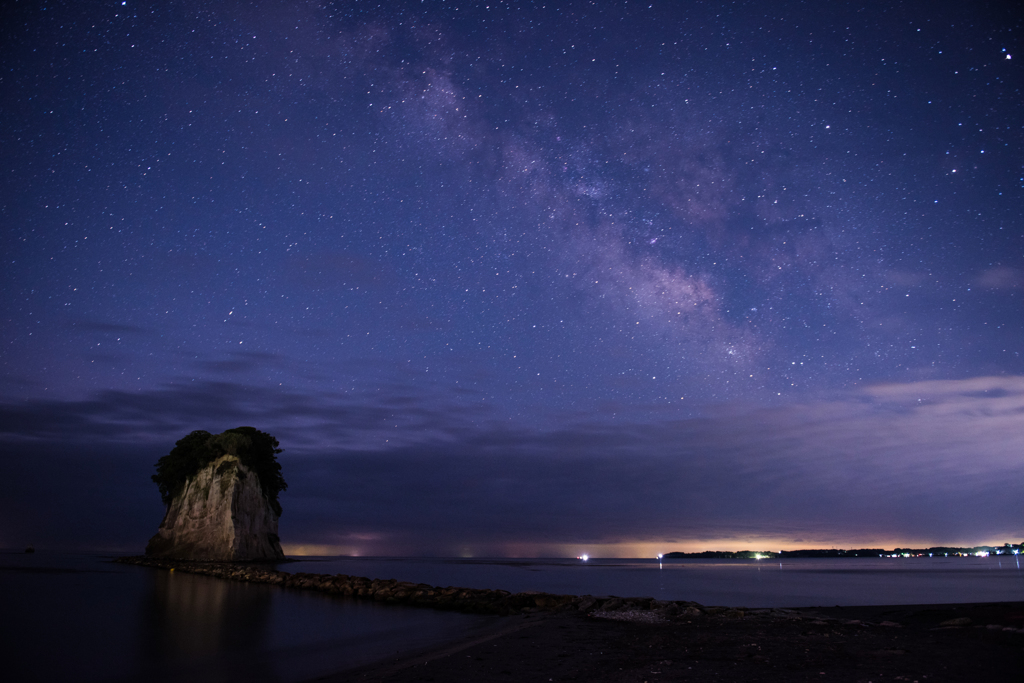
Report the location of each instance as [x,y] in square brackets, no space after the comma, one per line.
[519,278]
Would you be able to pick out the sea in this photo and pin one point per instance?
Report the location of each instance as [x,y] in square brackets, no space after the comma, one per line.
[83,617]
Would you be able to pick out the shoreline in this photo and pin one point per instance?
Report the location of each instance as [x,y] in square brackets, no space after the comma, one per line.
[856,645]
[392,591]
[544,636]
[505,603]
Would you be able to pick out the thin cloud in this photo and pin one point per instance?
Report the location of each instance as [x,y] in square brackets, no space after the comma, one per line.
[927,460]
[1001,277]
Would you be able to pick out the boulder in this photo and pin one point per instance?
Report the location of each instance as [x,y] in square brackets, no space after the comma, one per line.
[220,514]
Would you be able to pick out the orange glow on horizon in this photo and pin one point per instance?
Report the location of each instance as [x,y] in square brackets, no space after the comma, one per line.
[620,549]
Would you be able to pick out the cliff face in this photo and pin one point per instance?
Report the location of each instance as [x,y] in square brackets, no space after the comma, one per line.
[221,514]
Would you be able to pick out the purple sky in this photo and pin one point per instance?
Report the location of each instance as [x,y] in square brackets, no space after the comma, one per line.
[519,279]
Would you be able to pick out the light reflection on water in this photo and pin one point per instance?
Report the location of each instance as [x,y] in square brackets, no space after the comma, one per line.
[205,629]
[82,618]
[802,582]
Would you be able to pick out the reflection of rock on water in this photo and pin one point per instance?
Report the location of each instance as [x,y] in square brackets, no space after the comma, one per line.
[196,614]
[203,629]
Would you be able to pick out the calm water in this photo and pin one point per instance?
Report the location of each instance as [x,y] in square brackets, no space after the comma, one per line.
[83,618]
[748,583]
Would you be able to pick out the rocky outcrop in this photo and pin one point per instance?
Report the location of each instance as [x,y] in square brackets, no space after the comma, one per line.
[471,600]
[220,514]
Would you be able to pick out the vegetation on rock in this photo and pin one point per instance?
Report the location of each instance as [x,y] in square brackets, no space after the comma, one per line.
[255,449]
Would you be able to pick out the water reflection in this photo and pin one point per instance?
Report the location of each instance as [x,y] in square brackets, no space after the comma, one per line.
[801,582]
[206,630]
[81,618]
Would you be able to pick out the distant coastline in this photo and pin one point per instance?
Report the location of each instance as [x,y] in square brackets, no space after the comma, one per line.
[937,551]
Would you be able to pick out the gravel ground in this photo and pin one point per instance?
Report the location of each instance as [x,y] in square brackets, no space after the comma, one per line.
[877,644]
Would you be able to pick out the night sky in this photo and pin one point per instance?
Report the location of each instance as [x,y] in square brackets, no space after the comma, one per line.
[515,278]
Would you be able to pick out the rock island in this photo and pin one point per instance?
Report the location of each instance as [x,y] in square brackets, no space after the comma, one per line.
[221,496]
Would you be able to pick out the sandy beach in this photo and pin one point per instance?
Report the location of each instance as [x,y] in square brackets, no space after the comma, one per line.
[857,644]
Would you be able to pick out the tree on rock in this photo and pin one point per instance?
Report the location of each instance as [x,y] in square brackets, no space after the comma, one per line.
[257,450]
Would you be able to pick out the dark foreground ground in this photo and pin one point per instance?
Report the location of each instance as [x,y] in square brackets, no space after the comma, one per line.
[880,644]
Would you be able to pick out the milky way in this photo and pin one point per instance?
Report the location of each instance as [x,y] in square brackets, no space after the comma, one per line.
[480,235]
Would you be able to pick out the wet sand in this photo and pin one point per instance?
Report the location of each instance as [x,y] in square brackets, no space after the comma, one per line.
[879,644]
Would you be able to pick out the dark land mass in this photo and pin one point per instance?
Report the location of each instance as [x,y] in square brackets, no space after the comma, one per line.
[1006,549]
[857,644]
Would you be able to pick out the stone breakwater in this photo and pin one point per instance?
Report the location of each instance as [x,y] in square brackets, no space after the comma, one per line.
[471,600]
[487,601]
